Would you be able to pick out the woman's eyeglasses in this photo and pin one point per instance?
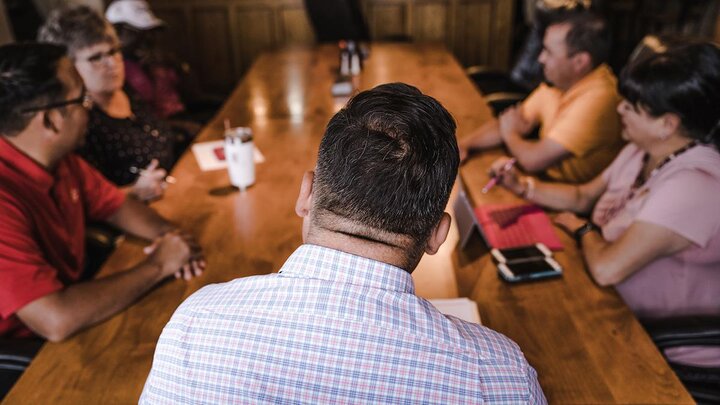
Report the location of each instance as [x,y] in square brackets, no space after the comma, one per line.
[83,100]
[97,58]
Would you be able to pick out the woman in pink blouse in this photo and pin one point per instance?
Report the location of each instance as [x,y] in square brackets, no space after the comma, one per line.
[655,211]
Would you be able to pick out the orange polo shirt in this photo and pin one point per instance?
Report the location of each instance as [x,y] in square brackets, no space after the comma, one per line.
[583,120]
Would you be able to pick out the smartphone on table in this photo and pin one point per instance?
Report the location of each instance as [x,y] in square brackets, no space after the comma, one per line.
[529,270]
[522,253]
[532,262]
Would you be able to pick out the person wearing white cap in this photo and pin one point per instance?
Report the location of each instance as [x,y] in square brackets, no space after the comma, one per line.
[151,73]
[135,13]
[158,77]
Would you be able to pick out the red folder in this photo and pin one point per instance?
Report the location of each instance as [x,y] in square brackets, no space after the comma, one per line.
[513,225]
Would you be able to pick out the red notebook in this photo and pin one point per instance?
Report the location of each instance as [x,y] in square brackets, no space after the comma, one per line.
[513,225]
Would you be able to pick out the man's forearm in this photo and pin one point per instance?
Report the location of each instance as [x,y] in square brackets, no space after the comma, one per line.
[527,152]
[534,155]
[140,220]
[487,136]
[60,315]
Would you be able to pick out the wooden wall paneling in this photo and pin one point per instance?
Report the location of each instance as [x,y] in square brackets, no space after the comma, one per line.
[707,19]
[234,40]
[295,27]
[430,21]
[473,21]
[214,48]
[451,38]
[388,20]
[221,38]
[255,32]
[175,35]
[501,33]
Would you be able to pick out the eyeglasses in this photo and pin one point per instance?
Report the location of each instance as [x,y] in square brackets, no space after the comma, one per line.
[84,100]
[97,58]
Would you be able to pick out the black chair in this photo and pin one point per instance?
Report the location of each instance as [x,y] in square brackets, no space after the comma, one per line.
[15,357]
[335,20]
[703,383]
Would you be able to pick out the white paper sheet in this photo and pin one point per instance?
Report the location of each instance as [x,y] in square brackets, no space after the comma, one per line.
[462,308]
[207,159]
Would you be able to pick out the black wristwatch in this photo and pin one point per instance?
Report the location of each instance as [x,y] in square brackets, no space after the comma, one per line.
[585,228]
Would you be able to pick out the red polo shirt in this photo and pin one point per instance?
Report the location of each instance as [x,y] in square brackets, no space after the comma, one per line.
[42,227]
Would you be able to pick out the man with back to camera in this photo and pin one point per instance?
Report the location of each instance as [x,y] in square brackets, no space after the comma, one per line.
[46,195]
[340,322]
[579,124]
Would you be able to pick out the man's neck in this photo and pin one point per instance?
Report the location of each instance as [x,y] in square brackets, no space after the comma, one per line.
[30,147]
[577,80]
[394,251]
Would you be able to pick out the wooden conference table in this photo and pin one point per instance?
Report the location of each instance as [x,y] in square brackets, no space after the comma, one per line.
[584,342]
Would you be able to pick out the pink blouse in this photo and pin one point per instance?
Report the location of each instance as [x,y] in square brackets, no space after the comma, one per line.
[684,197]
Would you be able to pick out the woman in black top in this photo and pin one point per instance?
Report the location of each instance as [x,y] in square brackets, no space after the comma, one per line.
[128,144]
[119,146]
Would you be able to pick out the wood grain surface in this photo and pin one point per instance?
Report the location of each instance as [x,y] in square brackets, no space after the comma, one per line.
[585,344]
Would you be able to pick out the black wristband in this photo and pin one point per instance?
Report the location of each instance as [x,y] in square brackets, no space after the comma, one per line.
[580,232]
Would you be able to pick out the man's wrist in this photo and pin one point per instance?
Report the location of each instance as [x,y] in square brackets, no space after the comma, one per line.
[166,228]
[155,269]
[586,228]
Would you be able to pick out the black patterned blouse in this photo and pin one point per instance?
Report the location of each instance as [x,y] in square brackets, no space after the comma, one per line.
[115,145]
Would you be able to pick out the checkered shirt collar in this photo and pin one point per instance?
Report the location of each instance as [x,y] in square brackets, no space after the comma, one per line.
[318,262]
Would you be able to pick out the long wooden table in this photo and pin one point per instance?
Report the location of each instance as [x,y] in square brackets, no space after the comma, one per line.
[585,344]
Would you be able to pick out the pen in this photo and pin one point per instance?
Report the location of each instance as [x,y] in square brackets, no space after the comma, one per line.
[493,181]
[168,179]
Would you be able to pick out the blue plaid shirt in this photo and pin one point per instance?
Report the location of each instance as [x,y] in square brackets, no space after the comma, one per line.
[331,327]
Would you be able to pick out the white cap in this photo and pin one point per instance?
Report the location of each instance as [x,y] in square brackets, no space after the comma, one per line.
[135,13]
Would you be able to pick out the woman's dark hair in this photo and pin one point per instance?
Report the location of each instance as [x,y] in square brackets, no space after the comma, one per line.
[684,81]
[76,28]
[28,77]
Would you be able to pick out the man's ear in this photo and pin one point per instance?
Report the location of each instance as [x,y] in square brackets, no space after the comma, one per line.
[304,200]
[582,62]
[49,121]
[438,234]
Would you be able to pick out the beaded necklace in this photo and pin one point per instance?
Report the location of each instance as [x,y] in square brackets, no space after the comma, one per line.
[640,180]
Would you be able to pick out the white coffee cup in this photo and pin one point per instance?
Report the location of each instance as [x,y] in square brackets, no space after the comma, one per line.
[239,149]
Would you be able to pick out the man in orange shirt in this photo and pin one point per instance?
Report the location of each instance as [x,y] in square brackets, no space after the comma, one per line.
[579,124]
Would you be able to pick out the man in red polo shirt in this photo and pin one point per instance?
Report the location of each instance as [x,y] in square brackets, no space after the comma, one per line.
[46,195]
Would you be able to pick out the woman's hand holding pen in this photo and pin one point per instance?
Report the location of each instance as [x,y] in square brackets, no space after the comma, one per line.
[150,183]
[506,174]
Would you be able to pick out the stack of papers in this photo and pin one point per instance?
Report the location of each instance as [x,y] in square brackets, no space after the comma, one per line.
[463,308]
[211,155]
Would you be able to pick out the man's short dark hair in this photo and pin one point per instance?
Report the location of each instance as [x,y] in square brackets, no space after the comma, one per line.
[28,77]
[76,28]
[589,32]
[388,161]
